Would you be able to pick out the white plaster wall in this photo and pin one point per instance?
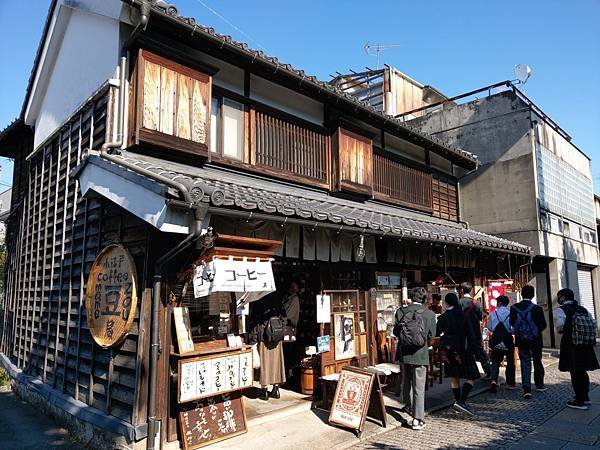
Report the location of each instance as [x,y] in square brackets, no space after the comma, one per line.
[87,57]
[297,104]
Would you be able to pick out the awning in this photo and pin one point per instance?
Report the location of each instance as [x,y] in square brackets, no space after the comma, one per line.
[223,189]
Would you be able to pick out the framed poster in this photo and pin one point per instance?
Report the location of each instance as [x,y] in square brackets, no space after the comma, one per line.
[323,309]
[212,419]
[183,329]
[343,329]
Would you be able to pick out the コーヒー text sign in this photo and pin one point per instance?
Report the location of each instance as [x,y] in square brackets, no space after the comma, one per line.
[111,296]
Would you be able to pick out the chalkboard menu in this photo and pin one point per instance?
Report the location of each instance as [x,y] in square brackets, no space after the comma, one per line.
[212,419]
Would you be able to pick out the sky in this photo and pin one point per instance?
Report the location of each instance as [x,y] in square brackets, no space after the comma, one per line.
[456,46]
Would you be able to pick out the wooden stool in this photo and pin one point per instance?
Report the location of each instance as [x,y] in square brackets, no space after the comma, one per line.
[328,383]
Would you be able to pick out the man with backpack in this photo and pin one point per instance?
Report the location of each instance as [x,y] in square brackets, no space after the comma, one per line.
[474,314]
[502,344]
[415,324]
[528,322]
[577,355]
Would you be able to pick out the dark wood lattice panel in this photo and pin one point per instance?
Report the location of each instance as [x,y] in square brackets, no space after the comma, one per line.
[55,235]
[445,202]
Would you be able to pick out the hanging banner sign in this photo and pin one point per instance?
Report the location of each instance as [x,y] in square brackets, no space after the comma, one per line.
[111,296]
[494,290]
[323,309]
[251,279]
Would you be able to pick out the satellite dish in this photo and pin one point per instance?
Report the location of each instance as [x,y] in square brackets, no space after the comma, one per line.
[522,73]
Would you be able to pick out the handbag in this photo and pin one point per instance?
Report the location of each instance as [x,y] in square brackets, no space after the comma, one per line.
[255,357]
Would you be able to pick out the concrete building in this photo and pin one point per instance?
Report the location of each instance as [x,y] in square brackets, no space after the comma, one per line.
[532,185]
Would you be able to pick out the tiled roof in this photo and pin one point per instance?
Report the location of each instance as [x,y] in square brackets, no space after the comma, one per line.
[244,192]
[171,11]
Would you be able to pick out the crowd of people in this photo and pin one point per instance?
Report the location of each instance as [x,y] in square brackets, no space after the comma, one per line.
[458,325]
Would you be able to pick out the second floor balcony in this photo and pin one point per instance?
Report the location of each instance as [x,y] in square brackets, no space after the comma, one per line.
[179,112]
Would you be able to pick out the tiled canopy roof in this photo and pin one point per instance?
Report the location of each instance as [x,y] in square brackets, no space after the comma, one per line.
[171,11]
[244,192]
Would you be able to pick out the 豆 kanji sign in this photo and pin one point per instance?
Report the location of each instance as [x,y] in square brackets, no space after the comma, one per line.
[111,296]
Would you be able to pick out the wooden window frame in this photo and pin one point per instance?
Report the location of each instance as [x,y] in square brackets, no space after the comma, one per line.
[448,180]
[140,135]
[348,186]
[248,164]
[218,155]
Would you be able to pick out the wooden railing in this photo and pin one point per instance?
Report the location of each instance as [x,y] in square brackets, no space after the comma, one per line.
[401,184]
[288,147]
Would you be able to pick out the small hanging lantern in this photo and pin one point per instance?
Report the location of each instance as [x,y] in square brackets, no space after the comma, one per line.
[360,251]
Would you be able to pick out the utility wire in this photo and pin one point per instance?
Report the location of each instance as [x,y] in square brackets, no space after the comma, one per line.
[224,19]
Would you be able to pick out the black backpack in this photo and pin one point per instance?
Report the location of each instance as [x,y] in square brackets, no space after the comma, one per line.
[274,329]
[501,340]
[410,331]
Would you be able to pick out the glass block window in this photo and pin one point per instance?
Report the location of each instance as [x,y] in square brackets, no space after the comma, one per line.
[563,190]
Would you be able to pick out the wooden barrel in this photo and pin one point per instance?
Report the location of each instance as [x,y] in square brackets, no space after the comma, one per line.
[308,380]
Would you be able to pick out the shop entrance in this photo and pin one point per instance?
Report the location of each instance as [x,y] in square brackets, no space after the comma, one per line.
[306,282]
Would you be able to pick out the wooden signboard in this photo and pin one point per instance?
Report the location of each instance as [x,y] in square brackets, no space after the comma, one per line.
[212,419]
[111,296]
[205,376]
[358,394]
[181,316]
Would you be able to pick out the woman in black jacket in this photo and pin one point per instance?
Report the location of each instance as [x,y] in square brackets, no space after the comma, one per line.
[458,358]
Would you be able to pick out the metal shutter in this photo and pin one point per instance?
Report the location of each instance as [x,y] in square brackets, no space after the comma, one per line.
[586,295]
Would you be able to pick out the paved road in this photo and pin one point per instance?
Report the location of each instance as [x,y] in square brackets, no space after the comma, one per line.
[22,427]
[506,420]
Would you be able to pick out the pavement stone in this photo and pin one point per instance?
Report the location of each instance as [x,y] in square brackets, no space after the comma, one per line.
[505,420]
[573,446]
[22,427]
[568,432]
[540,443]
[579,417]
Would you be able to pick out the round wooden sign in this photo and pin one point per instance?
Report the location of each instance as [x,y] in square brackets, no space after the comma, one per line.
[111,296]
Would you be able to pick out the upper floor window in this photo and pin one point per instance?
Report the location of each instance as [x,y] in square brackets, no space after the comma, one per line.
[354,155]
[228,128]
[172,106]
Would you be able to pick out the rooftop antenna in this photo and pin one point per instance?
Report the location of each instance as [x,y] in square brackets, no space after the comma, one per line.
[522,73]
[376,49]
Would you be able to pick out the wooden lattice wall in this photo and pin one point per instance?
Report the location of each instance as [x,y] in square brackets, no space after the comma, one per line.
[53,238]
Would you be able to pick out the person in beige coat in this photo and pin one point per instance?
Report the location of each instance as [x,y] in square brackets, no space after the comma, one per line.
[272,365]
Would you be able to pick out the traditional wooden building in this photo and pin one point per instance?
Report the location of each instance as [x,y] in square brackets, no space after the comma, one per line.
[146,138]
